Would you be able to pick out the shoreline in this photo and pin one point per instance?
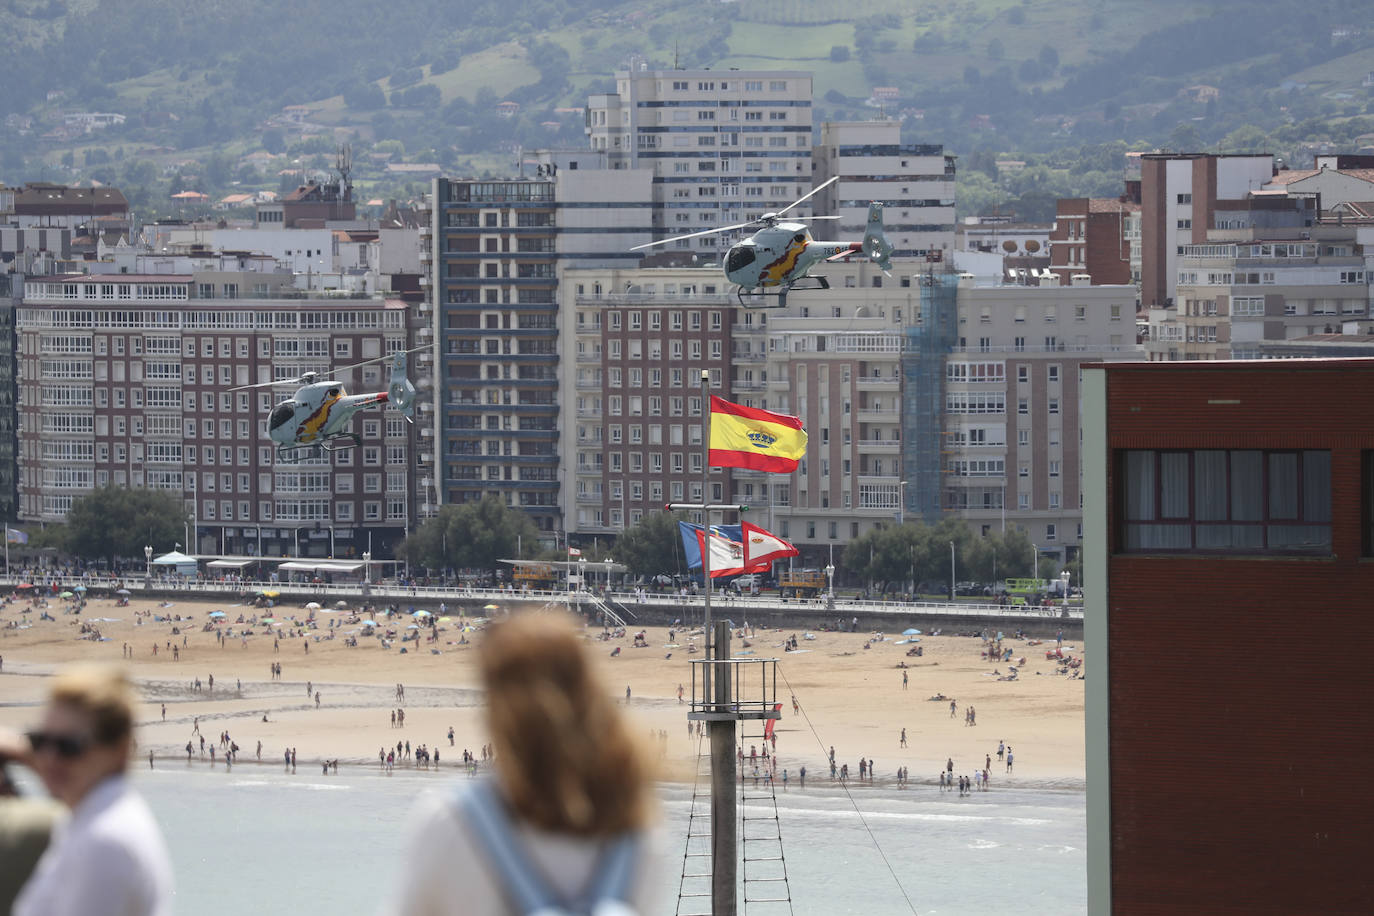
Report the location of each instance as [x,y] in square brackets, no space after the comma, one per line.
[851,687]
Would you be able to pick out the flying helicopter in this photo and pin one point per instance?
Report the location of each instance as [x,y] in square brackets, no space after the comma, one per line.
[315,417]
[777,258]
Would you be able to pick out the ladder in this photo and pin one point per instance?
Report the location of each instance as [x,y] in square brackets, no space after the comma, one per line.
[766,887]
[694,887]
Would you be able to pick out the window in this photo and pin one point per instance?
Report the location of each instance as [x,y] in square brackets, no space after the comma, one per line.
[1212,500]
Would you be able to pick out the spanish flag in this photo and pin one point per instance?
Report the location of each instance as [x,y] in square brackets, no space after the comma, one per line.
[746,437]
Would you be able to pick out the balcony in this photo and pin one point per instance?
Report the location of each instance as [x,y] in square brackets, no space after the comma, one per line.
[879,445]
[871,415]
[868,383]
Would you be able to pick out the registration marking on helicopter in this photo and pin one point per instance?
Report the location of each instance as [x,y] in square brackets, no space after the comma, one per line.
[773,274]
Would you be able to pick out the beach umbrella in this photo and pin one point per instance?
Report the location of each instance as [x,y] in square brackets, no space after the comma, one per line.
[24,585]
[123,591]
[445,619]
[270,594]
[268,620]
[341,605]
[911,631]
[79,588]
[491,607]
[422,614]
[413,626]
[313,606]
[215,615]
[370,623]
[65,595]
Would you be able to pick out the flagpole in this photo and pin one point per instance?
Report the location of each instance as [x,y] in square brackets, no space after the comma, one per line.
[706,501]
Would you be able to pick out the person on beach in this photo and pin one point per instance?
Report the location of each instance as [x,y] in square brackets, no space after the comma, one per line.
[562,815]
[110,857]
[1008,760]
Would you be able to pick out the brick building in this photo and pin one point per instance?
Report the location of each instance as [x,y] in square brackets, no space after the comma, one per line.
[125,379]
[1228,527]
[1099,237]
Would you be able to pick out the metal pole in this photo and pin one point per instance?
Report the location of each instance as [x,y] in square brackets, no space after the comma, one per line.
[706,513]
[951,572]
[724,847]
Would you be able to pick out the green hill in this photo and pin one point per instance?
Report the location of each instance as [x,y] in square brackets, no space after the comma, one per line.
[212,79]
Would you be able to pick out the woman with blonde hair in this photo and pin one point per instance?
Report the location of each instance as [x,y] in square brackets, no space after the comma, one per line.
[563,823]
[109,858]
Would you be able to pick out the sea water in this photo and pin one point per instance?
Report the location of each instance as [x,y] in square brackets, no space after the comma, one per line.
[259,840]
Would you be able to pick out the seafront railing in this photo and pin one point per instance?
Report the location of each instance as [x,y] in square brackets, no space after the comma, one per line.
[726,603]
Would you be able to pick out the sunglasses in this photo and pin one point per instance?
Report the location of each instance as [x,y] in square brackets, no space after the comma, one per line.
[68,747]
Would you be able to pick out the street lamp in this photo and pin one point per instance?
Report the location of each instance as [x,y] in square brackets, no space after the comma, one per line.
[1035,564]
[148,558]
[367,566]
[901,503]
[951,572]
[1065,574]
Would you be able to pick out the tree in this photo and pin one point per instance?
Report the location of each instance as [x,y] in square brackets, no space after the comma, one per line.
[1049,58]
[472,535]
[839,54]
[273,141]
[995,49]
[652,546]
[117,522]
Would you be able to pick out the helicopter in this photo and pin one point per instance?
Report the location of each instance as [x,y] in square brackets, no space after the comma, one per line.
[777,257]
[314,418]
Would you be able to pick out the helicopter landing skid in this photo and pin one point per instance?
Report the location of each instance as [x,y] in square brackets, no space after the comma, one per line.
[759,298]
[293,453]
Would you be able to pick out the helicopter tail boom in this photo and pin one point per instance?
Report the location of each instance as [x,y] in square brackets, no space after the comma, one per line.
[400,391]
[875,243]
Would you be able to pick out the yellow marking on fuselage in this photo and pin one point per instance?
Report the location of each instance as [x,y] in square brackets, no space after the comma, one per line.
[774,273]
[310,427]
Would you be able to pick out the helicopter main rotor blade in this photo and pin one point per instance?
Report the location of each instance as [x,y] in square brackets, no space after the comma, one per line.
[378,359]
[816,190]
[799,219]
[692,235]
[285,381]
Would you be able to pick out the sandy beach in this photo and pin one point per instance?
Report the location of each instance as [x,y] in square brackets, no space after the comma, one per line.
[851,697]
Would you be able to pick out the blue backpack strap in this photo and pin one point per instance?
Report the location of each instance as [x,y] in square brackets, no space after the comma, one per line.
[495,832]
[615,870]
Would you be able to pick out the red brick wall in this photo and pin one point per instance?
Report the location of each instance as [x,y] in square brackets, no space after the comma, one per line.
[1241,728]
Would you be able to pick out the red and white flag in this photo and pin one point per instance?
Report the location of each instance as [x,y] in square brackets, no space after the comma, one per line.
[574,551]
[727,556]
[763,547]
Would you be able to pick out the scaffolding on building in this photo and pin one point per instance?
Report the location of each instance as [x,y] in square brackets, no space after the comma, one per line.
[929,342]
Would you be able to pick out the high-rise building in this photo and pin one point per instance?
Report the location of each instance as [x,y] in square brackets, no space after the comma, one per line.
[497,247]
[914,181]
[723,145]
[1098,237]
[1179,197]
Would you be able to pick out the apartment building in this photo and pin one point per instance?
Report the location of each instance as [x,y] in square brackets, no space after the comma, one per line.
[915,182]
[1179,196]
[634,345]
[1233,295]
[1010,440]
[125,379]
[496,249]
[723,146]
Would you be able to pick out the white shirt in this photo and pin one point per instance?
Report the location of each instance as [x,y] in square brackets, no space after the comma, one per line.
[447,869]
[107,860]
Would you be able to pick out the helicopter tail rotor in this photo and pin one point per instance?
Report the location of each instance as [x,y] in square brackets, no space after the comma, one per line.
[401,391]
[875,244]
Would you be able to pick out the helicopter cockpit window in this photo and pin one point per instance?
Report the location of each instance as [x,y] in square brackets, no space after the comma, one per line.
[740,256]
[282,414]
[799,238]
[333,392]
